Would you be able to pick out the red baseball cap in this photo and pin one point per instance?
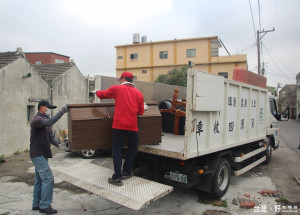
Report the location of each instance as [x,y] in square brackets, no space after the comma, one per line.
[126,75]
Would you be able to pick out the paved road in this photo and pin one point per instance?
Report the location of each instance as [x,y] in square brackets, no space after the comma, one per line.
[16,198]
[285,163]
[289,133]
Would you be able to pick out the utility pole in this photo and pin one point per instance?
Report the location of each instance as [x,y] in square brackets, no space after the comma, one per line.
[258,47]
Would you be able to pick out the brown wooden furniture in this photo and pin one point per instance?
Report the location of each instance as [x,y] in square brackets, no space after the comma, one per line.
[90,126]
[178,113]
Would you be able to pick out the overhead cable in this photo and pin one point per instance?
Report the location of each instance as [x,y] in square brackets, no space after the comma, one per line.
[252,20]
[277,64]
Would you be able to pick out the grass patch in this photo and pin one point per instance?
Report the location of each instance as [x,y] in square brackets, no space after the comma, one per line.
[282,200]
[7,213]
[70,187]
[17,152]
[208,200]
[2,159]
[28,178]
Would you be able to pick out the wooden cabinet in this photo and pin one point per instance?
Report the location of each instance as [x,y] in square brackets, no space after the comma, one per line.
[90,126]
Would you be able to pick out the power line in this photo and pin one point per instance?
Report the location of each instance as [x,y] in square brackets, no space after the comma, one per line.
[294,73]
[259,15]
[278,75]
[251,49]
[277,65]
[275,77]
[252,19]
[248,47]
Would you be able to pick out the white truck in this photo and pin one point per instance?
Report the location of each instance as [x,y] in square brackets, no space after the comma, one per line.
[230,127]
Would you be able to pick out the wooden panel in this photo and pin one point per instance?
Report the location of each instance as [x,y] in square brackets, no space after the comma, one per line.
[90,126]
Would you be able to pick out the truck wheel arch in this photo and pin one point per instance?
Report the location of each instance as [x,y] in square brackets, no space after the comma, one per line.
[272,140]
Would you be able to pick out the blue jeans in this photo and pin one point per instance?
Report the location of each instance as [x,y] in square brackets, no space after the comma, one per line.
[118,141]
[44,183]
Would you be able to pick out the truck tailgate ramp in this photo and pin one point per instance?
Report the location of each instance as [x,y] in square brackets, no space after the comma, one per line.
[136,193]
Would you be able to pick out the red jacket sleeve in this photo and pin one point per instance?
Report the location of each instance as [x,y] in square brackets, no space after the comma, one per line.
[106,94]
[141,106]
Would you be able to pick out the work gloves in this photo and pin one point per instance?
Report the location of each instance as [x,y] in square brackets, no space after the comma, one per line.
[94,91]
[63,146]
[64,109]
[146,107]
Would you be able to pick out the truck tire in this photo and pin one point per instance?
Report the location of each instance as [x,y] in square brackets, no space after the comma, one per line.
[221,179]
[89,154]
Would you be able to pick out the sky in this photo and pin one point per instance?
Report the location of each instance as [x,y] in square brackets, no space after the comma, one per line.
[89,30]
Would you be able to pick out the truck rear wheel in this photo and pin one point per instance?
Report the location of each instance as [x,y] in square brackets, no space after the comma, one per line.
[221,179]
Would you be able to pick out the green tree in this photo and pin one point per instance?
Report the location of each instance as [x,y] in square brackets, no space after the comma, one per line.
[174,77]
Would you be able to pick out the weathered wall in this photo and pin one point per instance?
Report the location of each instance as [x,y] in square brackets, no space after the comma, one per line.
[151,91]
[298,93]
[15,92]
[69,88]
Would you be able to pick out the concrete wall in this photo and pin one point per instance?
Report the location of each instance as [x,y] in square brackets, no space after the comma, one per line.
[151,91]
[69,88]
[15,92]
[298,93]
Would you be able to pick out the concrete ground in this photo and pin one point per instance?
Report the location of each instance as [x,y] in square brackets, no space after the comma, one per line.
[16,197]
[16,180]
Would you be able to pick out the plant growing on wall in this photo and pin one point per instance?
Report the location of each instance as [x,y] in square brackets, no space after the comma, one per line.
[49,81]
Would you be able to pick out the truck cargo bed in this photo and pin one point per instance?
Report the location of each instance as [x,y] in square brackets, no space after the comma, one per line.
[171,146]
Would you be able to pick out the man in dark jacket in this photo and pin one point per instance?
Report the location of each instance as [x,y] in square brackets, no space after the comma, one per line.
[41,135]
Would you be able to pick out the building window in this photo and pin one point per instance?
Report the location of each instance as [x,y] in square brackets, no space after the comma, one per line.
[133,56]
[191,53]
[59,61]
[38,62]
[30,112]
[224,74]
[215,45]
[144,71]
[163,55]
[120,57]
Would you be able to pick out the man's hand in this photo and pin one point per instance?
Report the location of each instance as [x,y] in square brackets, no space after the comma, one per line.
[94,91]
[146,107]
[64,109]
[63,146]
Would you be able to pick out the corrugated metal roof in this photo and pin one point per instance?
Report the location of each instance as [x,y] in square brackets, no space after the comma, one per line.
[51,71]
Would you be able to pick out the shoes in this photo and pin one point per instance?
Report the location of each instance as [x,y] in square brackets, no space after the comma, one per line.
[298,147]
[117,182]
[35,208]
[48,210]
[126,176]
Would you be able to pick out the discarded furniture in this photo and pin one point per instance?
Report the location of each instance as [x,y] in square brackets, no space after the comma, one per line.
[90,126]
[175,112]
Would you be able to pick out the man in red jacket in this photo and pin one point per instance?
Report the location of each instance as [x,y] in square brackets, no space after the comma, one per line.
[129,103]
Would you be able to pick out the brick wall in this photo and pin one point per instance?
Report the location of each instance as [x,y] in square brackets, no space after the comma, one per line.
[45,58]
[248,77]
